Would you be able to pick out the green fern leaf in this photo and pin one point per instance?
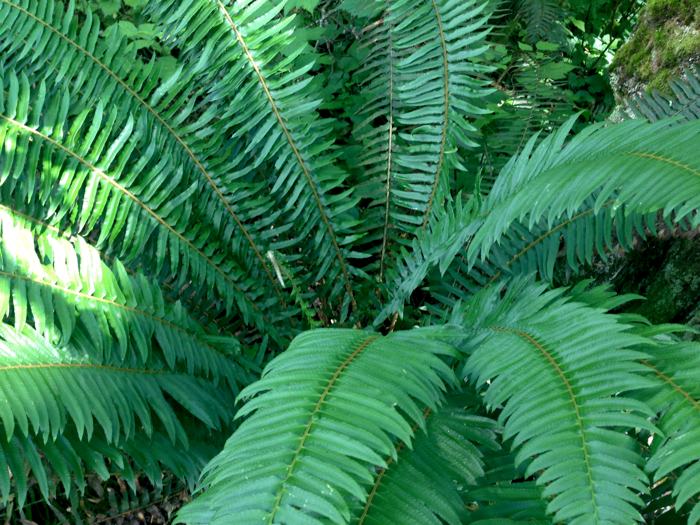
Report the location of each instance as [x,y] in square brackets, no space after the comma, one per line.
[308,448]
[582,361]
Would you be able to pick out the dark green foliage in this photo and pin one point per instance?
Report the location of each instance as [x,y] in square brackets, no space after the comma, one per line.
[190,190]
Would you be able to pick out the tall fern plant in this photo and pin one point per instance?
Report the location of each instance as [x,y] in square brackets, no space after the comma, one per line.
[169,238]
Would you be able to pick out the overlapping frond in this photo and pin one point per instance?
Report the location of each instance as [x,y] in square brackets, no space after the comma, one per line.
[675,453]
[76,296]
[245,54]
[91,171]
[328,413]
[533,104]
[232,211]
[429,52]
[657,105]
[560,370]
[437,245]
[69,459]
[423,485]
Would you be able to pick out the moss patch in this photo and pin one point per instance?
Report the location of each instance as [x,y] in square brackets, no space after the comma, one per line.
[667,38]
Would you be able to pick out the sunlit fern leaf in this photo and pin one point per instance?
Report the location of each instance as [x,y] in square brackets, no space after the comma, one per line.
[676,368]
[354,393]
[232,211]
[45,386]
[89,166]
[685,105]
[543,19]
[584,362]
[67,292]
[423,485]
[645,167]
[245,52]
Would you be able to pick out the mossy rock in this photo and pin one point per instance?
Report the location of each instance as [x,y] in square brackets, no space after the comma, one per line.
[665,41]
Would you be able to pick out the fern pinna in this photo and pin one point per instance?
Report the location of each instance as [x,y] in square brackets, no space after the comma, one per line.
[173,233]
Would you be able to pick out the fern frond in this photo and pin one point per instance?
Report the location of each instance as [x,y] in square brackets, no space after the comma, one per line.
[684,106]
[644,167]
[542,18]
[43,385]
[117,314]
[583,363]
[272,118]
[83,177]
[411,126]
[422,486]
[677,399]
[352,393]
[437,245]
[534,105]
[69,459]
[97,69]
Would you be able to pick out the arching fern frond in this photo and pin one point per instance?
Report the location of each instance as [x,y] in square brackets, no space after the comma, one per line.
[353,394]
[230,208]
[44,385]
[271,116]
[112,312]
[583,363]
[641,166]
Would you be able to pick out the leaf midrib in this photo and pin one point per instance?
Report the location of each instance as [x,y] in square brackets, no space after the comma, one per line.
[570,390]
[445,116]
[307,430]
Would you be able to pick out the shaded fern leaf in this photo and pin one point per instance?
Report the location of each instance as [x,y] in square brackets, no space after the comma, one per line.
[533,106]
[423,485]
[543,19]
[675,453]
[438,245]
[685,105]
[69,459]
[582,361]
[353,394]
